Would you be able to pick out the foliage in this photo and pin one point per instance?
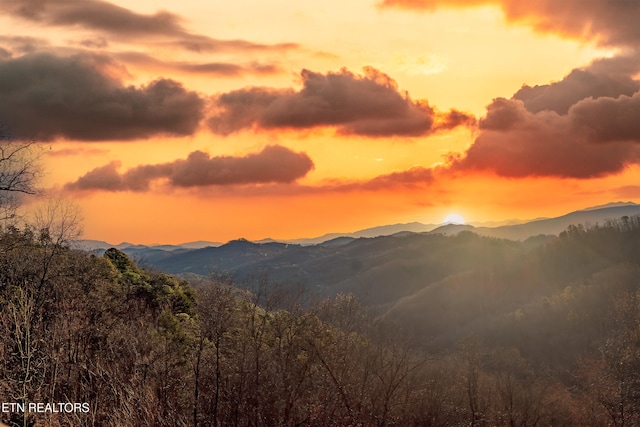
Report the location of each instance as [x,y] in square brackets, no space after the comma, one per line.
[142,348]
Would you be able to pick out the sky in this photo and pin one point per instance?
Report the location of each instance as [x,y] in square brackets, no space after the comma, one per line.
[170,122]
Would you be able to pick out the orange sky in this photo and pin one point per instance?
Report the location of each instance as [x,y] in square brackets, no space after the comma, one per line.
[168,122]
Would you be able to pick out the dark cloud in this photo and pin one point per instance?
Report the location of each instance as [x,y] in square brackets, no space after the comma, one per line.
[608,22]
[626,63]
[584,143]
[274,164]
[585,125]
[578,85]
[453,119]
[242,109]
[514,142]
[46,97]
[605,120]
[220,69]
[101,178]
[503,114]
[93,14]
[368,105]
[122,23]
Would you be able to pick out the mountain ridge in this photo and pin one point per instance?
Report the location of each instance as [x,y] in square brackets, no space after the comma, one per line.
[518,231]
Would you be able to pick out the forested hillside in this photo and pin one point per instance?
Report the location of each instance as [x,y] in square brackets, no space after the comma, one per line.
[515,335]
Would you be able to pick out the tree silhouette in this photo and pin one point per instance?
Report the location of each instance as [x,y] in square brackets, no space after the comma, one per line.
[19,172]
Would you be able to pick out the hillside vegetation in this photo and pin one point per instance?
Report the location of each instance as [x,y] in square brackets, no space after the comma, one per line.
[434,330]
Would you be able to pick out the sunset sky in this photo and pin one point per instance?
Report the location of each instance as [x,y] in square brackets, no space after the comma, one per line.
[169,122]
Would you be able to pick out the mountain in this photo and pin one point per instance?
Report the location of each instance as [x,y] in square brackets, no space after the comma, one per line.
[231,256]
[589,216]
[199,244]
[452,282]
[364,266]
[609,205]
[366,259]
[451,229]
[99,245]
[383,230]
[511,229]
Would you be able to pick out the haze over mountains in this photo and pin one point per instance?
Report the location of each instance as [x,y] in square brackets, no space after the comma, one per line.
[511,229]
[365,262]
[451,281]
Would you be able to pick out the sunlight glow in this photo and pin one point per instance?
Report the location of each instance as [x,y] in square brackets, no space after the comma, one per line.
[454,218]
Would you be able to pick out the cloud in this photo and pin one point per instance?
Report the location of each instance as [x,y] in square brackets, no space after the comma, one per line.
[121,23]
[516,143]
[93,14]
[583,126]
[76,151]
[220,69]
[274,164]
[101,178]
[203,44]
[368,105]
[578,85]
[21,44]
[608,22]
[46,97]
[415,176]
[608,119]
[94,43]
[595,138]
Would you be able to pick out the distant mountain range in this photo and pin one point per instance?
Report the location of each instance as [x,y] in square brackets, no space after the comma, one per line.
[549,226]
[97,245]
[382,266]
[512,229]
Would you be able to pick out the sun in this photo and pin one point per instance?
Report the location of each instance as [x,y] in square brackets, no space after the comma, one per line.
[453,218]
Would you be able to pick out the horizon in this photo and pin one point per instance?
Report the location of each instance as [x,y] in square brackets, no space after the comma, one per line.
[189,121]
[338,234]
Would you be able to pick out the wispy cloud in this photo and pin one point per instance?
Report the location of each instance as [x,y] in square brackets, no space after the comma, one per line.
[121,24]
[218,69]
[417,176]
[19,45]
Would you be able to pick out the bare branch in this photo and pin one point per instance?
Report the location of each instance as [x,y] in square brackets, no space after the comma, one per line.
[20,172]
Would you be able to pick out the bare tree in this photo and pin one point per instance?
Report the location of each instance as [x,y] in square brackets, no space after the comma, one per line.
[19,173]
[58,221]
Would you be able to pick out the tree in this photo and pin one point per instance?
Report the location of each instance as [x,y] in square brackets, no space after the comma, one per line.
[613,379]
[216,305]
[19,173]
